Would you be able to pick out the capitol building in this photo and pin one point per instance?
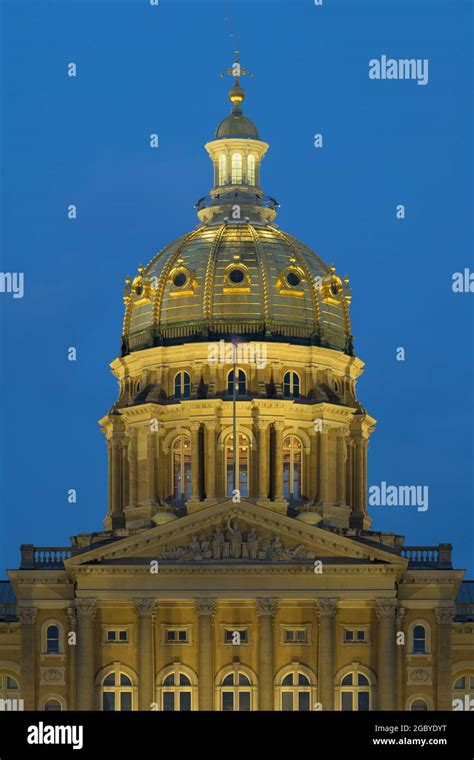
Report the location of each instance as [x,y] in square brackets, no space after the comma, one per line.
[238,567]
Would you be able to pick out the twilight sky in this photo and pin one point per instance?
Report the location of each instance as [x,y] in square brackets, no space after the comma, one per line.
[85,140]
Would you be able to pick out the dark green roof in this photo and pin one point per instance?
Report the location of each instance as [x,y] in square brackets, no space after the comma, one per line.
[237,125]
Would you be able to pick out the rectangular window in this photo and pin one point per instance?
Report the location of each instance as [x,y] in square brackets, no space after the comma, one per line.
[304,701]
[287,701]
[348,636]
[244,701]
[360,635]
[168,701]
[126,701]
[185,701]
[108,701]
[227,701]
[295,636]
[176,636]
[236,635]
[116,636]
[363,700]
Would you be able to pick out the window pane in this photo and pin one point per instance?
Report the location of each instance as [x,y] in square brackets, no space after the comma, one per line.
[419,705]
[460,683]
[244,701]
[228,680]
[52,705]
[123,636]
[347,680]
[184,680]
[243,679]
[11,683]
[303,680]
[304,701]
[168,701]
[288,680]
[126,701]
[110,635]
[108,701]
[227,700]
[346,703]
[125,680]
[109,680]
[363,700]
[287,701]
[169,680]
[362,680]
[185,701]
[360,635]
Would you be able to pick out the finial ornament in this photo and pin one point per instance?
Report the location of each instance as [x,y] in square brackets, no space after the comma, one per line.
[236,93]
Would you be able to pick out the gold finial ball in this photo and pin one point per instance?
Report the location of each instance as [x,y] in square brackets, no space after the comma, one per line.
[332,268]
[128,280]
[236,94]
[346,281]
[141,269]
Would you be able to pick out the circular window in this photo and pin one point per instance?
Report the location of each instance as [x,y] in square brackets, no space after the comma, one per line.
[334,289]
[236,276]
[179,279]
[293,279]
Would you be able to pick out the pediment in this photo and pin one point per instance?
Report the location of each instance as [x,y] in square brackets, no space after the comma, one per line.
[235,533]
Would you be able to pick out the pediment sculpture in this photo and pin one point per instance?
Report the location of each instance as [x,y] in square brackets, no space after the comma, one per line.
[231,541]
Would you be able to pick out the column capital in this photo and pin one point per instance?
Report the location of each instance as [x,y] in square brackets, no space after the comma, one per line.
[266,606]
[445,615]
[342,432]
[206,606]
[400,614]
[27,615]
[210,424]
[194,426]
[262,425]
[86,608]
[72,617]
[386,608]
[326,607]
[279,425]
[144,607]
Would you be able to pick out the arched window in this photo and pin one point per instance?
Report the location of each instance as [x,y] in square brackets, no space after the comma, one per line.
[222,169]
[418,705]
[116,692]
[53,640]
[292,467]
[181,469]
[251,169]
[236,168]
[9,687]
[242,464]
[355,692]
[291,385]
[176,692]
[241,387]
[463,692]
[236,692]
[182,385]
[419,639]
[295,692]
[52,705]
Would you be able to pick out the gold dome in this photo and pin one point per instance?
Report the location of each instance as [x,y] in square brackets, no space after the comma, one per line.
[237,278]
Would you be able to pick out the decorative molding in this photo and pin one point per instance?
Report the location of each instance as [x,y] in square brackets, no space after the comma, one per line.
[86,608]
[326,607]
[27,615]
[52,676]
[266,606]
[144,607]
[386,608]
[206,606]
[445,615]
[419,676]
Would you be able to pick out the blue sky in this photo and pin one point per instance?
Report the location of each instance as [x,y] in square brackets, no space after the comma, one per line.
[84,140]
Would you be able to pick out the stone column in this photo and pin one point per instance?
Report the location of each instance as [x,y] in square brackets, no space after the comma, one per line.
[71,651]
[350,472]
[278,460]
[341,466]
[210,459]
[323,465]
[206,609]
[313,465]
[399,659]
[385,612]
[359,475]
[263,460]
[27,616]
[266,609]
[144,609]
[444,617]
[195,461]
[150,467]
[86,611]
[326,610]
[132,467]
